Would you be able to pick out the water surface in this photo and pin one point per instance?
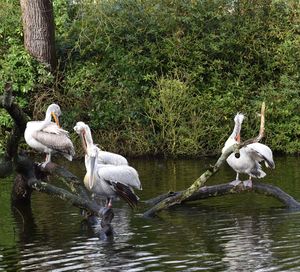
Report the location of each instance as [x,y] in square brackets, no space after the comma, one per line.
[245,232]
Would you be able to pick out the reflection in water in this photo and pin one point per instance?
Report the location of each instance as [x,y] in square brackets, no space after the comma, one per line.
[249,244]
[233,233]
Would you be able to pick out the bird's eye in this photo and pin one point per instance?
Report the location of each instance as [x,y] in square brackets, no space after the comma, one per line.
[237,155]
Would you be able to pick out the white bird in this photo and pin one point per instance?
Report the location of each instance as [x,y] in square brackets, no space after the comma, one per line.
[47,137]
[107,180]
[250,156]
[103,157]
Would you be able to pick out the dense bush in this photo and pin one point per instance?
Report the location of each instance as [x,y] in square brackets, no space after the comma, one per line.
[167,77]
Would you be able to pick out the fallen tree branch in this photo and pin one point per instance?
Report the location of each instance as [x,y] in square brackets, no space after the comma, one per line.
[32,174]
[199,182]
[66,177]
[226,189]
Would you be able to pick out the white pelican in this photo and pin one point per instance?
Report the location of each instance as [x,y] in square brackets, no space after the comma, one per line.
[107,180]
[250,156]
[104,157]
[47,137]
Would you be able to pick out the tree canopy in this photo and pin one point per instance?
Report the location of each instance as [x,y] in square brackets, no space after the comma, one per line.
[163,77]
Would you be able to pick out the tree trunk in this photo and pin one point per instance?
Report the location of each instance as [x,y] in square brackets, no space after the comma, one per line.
[38,28]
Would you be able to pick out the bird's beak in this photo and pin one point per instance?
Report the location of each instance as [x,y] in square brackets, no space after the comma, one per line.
[55,118]
[84,144]
[238,138]
[92,169]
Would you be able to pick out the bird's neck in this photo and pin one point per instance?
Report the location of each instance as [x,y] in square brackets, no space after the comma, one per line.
[88,137]
[47,117]
[230,142]
[236,130]
[86,180]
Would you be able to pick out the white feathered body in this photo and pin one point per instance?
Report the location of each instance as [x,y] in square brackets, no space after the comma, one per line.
[105,157]
[107,176]
[48,138]
[250,158]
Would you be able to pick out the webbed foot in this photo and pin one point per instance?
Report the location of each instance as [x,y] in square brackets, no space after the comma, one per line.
[235,182]
[247,183]
[43,164]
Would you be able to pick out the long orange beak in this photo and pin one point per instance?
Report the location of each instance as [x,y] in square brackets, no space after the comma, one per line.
[84,144]
[55,119]
[238,138]
[92,174]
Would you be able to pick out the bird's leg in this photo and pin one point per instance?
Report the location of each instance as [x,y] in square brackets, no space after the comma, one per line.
[237,181]
[47,160]
[108,203]
[248,183]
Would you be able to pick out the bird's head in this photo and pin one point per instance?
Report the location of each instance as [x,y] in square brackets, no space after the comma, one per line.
[235,136]
[85,134]
[79,127]
[238,120]
[55,112]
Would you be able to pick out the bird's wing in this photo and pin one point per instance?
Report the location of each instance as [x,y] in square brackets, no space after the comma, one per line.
[121,179]
[53,128]
[57,141]
[105,157]
[260,152]
[124,174]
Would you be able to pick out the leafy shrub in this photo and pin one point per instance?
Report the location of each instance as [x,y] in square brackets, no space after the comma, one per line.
[166,77]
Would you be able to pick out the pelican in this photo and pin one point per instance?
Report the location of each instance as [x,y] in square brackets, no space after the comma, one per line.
[103,157]
[250,156]
[104,178]
[47,137]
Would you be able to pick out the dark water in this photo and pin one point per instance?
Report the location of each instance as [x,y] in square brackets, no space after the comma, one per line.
[233,233]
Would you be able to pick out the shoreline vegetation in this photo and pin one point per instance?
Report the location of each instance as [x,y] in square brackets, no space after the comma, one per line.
[162,78]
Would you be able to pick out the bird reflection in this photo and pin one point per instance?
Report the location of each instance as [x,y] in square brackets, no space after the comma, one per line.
[121,230]
[248,245]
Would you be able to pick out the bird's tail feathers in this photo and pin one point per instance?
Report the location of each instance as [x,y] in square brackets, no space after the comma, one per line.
[258,173]
[68,156]
[262,174]
[269,164]
[126,194]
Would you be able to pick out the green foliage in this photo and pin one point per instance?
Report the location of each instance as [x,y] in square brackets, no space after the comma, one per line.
[173,111]
[16,65]
[167,77]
